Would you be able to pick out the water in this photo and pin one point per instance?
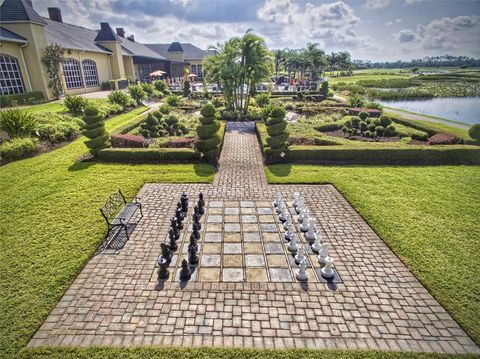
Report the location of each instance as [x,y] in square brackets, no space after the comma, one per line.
[461,109]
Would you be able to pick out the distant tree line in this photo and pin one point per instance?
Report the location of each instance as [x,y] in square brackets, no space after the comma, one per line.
[427,61]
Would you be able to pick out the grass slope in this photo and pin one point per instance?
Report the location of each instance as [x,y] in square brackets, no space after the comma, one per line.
[55,106]
[427,215]
[51,225]
[219,353]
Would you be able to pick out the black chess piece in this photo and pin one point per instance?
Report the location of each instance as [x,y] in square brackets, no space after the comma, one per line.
[173,224]
[192,237]
[179,214]
[196,220]
[200,198]
[184,202]
[192,255]
[195,232]
[166,253]
[173,244]
[201,208]
[179,223]
[185,273]
[163,272]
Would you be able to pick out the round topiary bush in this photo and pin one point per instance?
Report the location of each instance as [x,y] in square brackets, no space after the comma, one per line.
[149,128]
[363,115]
[474,131]
[385,121]
[380,131]
[277,142]
[390,131]
[94,130]
[209,141]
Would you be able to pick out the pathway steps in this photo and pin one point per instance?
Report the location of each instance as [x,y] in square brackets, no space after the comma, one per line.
[379,305]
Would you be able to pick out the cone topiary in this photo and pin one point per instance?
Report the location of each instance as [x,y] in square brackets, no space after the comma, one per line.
[94,130]
[209,141]
[277,141]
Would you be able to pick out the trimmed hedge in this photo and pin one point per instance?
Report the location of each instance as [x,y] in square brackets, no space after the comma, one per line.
[27,98]
[416,155]
[148,155]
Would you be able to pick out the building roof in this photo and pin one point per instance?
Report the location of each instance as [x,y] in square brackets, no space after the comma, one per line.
[106,33]
[7,35]
[138,49]
[72,36]
[190,51]
[19,11]
[175,47]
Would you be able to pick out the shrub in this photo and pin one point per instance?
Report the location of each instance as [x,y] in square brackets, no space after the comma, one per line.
[385,121]
[390,131]
[26,98]
[75,104]
[186,89]
[374,105]
[157,95]
[325,141]
[17,123]
[329,126]
[160,85]
[421,155]
[137,93]
[278,138]
[169,126]
[105,86]
[371,112]
[187,142]
[149,128]
[324,88]
[121,98]
[56,128]
[173,100]
[474,131]
[356,101]
[127,141]
[164,108]
[363,115]
[18,148]
[262,99]
[371,127]
[443,139]
[145,155]
[209,140]
[380,131]
[218,102]
[94,130]
[148,88]
[362,126]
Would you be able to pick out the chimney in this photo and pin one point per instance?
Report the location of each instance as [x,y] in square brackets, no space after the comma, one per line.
[55,14]
[121,31]
[131,38]
[29,2]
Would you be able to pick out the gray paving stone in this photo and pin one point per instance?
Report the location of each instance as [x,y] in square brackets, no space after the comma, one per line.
[254,260]
[280,275]
[210,260]
[251,237]
[232,248]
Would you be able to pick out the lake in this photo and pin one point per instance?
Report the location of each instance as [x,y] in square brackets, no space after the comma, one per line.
[461,109]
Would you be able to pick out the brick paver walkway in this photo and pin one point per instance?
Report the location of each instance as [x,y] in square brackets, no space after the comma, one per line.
[379,304]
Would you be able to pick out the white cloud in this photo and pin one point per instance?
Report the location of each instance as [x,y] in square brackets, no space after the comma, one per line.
[278,12]
[377,4]
[411,2]
[459,34]
[393,22]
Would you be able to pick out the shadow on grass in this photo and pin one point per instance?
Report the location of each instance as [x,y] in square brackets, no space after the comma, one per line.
[282,170]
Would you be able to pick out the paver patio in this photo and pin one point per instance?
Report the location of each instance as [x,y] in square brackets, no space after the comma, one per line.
[243,292]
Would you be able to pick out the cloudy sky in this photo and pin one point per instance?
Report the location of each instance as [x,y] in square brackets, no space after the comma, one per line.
[369,29]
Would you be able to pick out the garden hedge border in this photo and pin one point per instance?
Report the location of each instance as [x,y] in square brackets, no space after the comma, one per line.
[416,155]
[148,155]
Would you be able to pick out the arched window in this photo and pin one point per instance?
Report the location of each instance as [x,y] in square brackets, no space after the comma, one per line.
[90,73]
[72,73]
[10,77]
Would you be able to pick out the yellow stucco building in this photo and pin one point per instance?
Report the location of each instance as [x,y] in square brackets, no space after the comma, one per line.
[92,57]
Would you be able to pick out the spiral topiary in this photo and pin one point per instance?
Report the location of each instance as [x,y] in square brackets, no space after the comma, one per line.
[209,140]
[278,138]
[94,130]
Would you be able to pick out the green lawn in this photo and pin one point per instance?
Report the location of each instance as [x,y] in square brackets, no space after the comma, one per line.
[429,216]
[220,353]
[55,106]
[51,225]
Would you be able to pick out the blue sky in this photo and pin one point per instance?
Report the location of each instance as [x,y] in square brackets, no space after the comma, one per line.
[369,29]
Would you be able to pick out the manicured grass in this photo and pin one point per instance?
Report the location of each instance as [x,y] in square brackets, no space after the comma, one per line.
[220,353]
[368,76]
[55,106]
[429,216]
[51,225]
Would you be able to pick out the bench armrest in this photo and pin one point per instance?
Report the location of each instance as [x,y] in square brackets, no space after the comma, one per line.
[137,199]
[122,220]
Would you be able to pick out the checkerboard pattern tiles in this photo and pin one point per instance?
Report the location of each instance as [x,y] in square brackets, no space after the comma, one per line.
[242,241]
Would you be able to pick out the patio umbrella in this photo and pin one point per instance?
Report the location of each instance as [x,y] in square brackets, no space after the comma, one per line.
[157,73]
[192,75]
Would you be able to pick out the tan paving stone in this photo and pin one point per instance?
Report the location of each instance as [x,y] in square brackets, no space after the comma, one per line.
[232,260]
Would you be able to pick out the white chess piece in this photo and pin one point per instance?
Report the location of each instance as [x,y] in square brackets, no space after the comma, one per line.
[303,214]
[317,245]
[327,271]
[292,245]
[300,205]
[305,223]
[302,273]
[311,232]
[280,207]
[288,223]
[300,257]
[277,199]
[289,233]
[296,197]
[284,215]
[323,254]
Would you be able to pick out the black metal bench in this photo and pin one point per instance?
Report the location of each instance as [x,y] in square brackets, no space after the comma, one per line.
[117,212]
